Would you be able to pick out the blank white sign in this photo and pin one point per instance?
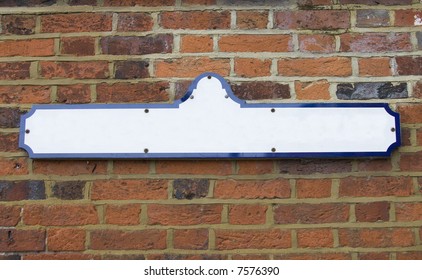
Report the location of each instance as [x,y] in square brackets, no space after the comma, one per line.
[209,122]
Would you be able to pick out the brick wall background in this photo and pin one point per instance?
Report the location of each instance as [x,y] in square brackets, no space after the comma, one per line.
[128,51]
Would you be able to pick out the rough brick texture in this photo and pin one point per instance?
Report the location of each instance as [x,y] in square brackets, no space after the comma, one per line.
[270,51]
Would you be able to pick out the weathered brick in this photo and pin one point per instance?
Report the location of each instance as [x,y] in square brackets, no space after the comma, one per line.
[70,190]
[133,92]
[9,142]
[82,2]
[27,3]
[69,168]
[254,167]
[129,189]
[312,19]
[196,44]
[310,3]
[419,39]
[25,94]
[191,239]
[265,3]
[314,166]
[9,117]
[252,239]
[375,42]
[313,90]
[410,113]
[251,20]
[407,65]
[74,94]
[84,22]
[9,215]
[22,190]
[13,166]
[406,212]
[374,66]
[411,161]
[405,134]
[60,256]
[190,188]
[12,240]
[196,20]
[255,43]
[250,257]
[315,238]
[134,22]
[372,18]
[376,238]
[261,90]
[18,24]
[418,137]
[14,70]
[187,167]
[362,91]
[127,214]
[66,239]
[417,89]
[375,165]
[10,257]
[313,188]
[314,256]
[317,43]
[181,88]
[184,214]
[131,69]
[374,256]
[314,67]
[131,45]
[191,67]
[123,257]
[279,188]
[199,2]
[130,167]
[372,211]
[33,47]
[247,214]
[417,255]
[75,70]
[60,215]
[149,239]
[375,186]
[377,2]
[408,18]
[311,213]
[186,257]
[153,3]
[79,46]
[252,67]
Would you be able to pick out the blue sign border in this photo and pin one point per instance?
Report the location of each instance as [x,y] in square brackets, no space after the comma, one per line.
[243,104]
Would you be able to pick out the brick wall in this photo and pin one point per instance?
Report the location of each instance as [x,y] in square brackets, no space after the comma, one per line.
[128,51]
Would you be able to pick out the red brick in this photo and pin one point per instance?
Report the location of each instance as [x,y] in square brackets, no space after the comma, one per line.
[252,67]
[9,142]
[130,167]
[152,3]
[183,215]
[408,18]
[191,239]
[196,44]
[406,212]
[12,240]
[75,70]
[252,239]
[314,67]
[410,113]
[372,211]
[24,94]
[377,2]
[311,213]
[375,186]
[18,24]
[376,238]
[315,238]
[15,166]
[312,19]
[74,94]
[261,90]
[317,43]
[313,90]
[247,214]
[417,89]
[134,22]
[14,70]
[186,257]
[279,188]
[69,168]
[409,255]
[255,43]
[149,239]
[191,67]
[407,65]
[134,45]
[9,215]
[375,42]
[66,239]
[60,215]
[196,20]
[411,161]
[314,256]
[374,66]
[60,256]
[372,18]
[313,188]
[127,214]
[374,256]
[129,189]
[250,257]
[314,166]
[252,20]
[79,46]
[34,47]
[206,167]
[419,137]
[84,22]
[143,92]
[254,167]
[131,69]
[405,137]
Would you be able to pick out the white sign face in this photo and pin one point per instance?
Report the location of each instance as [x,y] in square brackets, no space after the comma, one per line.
[210,122]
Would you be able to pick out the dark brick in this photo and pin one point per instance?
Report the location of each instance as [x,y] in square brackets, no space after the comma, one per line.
[131,69]
[10,257]
[372,18]
[375,42]
[377,2]
[9,142]
[12,240]
[135,22]
[14,70]
[283,3]
[261,90]
[407,65]
[312,19]
[190,188]
[311,213]
[417,90]
[18,24]
[79,46]
[364,91]
[133,92]
[181,89]
[22,190]
[372,212]
[26,3]
[311,166]
[9,117]
[69,190]
[419,38]
[130,45]
[123,257]
[71,94]
[186,257]
[82,2]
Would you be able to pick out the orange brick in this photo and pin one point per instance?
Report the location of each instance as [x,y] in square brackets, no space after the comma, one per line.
[314,67]
[252,239]
[75,69]
[406,212]
[15,166]
[83,22]
[311,213]
[317,43]
[376,66]
[13,240]
[191,239]
[279,188]
[191,67]
[69,168]
[313,188]
[314,256]
[72,94]
[184,214]
[252,20]
[9,142]
[255,43]
[66,239]
[9,215]
[376,238]
[127,214]
[24,94]
[313,91]
[206,167]
[196,20]
[252,67]
[60,256]
[247,214]
[374,256]
[410,113]
[315,238]
[375,186]
[34,47]
[129,189]
[254,167]
[196,44]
